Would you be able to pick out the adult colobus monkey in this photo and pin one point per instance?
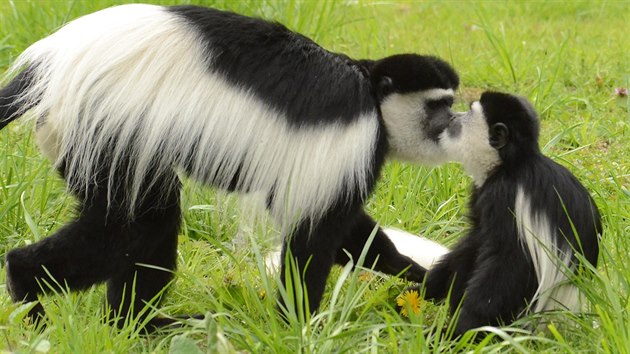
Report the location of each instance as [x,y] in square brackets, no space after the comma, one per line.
[126,96]
[530,218]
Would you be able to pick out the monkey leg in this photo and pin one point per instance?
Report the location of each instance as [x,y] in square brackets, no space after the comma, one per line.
[148,263]
[498,290]
[313,248]
[78,255]
[136,255]
[382,253]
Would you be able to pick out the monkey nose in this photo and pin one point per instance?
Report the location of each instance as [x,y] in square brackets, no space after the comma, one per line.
[456,115]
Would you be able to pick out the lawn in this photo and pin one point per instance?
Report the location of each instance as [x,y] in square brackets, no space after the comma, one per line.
[569,58]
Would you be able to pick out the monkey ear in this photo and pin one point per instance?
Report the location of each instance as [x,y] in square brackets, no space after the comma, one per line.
[384,86]
[499,134]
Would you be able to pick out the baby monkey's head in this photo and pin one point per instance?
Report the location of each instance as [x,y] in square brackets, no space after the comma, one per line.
[499,130]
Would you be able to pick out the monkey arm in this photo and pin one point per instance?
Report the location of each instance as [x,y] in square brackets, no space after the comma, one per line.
[452,272]
[382,254]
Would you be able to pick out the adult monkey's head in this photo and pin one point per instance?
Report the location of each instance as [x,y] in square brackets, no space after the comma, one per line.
[415,95]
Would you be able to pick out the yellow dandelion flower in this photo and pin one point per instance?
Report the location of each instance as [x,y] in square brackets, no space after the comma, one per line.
[409,300]
[365,276]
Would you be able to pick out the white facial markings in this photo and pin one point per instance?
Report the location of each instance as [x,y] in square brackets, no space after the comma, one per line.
[132,82]
[404,116]
[437,94]
[550,263]
[471,147]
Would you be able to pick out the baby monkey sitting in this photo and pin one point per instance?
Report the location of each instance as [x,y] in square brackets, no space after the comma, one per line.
[530,218]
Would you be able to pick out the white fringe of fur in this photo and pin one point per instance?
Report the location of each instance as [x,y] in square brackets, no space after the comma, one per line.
[552,265]
[139,76]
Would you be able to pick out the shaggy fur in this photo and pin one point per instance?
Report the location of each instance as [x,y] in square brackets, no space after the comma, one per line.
[530,218]
[127,96]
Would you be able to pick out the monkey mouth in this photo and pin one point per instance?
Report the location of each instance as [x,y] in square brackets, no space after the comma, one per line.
[454,127]
[459,115]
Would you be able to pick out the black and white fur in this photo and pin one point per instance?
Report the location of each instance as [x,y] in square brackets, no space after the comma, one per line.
[529,218]
[128,97]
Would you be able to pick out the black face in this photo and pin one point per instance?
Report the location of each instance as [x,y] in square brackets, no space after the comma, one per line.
[440,116]
[512,124]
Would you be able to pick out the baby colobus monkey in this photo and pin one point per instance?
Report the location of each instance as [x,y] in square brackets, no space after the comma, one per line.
[127,96]
[529,217]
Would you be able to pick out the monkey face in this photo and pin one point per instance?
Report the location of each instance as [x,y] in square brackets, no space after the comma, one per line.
[415,95]
[499,128]
[512,123]
[467,140]
[414,122]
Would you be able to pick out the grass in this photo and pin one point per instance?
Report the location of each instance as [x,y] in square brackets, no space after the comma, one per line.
[567,57]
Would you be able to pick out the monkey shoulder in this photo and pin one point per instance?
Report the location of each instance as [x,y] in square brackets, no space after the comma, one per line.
[287,70]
